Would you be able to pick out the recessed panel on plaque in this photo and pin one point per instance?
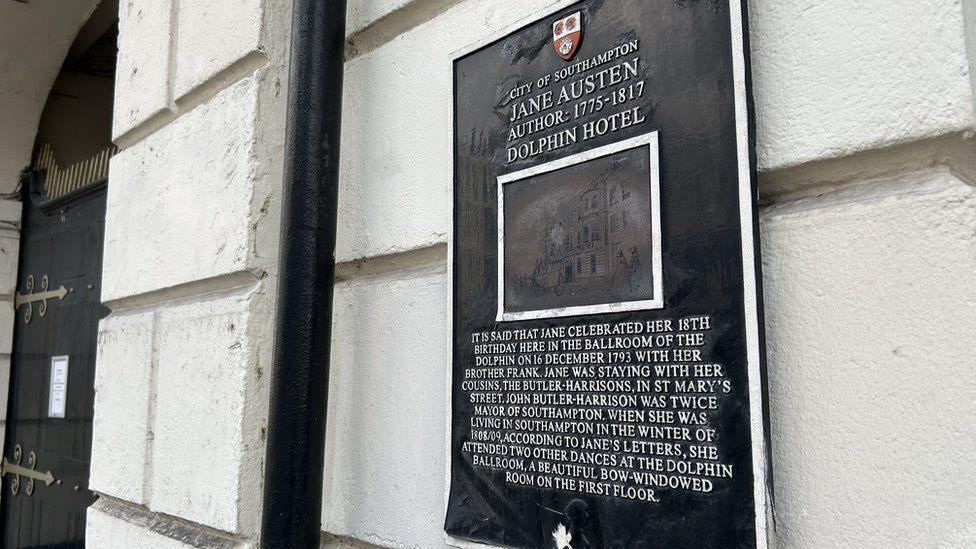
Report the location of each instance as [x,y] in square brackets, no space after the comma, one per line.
[581,235]
[607,380]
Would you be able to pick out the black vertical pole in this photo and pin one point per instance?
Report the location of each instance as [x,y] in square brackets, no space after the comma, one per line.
[303,325]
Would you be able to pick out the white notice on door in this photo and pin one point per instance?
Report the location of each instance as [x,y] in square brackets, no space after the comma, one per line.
[59,387]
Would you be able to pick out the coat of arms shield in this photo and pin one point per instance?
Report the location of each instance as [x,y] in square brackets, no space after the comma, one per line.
[567,34]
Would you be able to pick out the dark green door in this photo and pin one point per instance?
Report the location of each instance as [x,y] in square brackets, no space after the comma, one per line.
[50,408]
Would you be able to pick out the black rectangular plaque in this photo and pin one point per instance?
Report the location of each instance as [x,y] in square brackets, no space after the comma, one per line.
[608,379]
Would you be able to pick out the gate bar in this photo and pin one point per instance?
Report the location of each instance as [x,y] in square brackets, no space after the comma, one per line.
[306,269]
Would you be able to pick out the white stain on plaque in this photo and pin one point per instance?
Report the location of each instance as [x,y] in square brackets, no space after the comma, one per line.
[562,537]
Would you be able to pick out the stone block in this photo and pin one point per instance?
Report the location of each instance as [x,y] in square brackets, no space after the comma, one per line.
[142,74]
[833,78]
[7,318]
[869,323]
[331,542]
[123,390]
[105,531]
[387,410]
[9,257]
[362,13]
[198,445]
[179,203]
[10,214]
[969,18]
[213,35]
[4,389]
[4,398]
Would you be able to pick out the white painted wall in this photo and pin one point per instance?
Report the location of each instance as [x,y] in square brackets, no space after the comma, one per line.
[10,215]
[190,254]
[870,317]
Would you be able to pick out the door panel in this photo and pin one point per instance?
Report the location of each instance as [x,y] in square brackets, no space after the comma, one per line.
[64,244]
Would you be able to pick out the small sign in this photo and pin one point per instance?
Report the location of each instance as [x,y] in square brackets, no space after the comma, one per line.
[607,385]
[58,395]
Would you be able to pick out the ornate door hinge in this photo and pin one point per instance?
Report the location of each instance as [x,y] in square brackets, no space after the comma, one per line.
[30,297]
[14,468]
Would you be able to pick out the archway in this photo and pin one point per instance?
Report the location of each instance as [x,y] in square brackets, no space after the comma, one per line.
[55,143]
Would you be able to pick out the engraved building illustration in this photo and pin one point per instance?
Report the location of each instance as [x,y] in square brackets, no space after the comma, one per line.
[596,237]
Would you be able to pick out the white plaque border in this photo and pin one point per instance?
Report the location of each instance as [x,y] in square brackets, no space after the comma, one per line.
[648,140]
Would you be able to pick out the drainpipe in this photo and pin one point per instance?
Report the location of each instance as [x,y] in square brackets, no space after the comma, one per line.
[306,270]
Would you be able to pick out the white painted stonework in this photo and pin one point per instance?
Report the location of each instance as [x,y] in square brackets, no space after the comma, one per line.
[125,351]
[865,121]
[362,13]
[213,36]
[10,216]
[388,485]
[832,78]
[870,315]
[202,381]
[190,255]
[111,525]
[143,70]
[184,183]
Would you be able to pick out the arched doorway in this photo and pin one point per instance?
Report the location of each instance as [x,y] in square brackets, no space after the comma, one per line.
[47,443]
